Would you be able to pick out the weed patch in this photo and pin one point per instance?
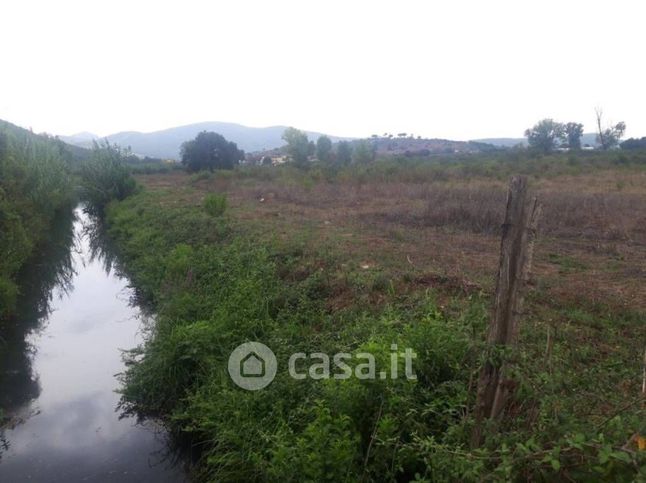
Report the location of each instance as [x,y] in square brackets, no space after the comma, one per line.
[216,284]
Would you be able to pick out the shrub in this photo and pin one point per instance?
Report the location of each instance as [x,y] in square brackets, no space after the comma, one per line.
[215,204]
[201,176]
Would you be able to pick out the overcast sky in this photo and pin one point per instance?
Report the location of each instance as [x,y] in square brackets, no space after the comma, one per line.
[452,69]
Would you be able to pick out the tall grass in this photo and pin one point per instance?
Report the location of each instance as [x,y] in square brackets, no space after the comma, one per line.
[105,177]
[215,204]
[35,184]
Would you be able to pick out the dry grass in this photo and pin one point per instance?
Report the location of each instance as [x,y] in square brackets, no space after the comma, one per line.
[593,229]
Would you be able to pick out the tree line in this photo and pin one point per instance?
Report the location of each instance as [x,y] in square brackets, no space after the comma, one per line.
[210,150]
[300,149]
[547,135]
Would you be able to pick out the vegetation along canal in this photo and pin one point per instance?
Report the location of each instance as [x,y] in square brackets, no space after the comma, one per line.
[61,358]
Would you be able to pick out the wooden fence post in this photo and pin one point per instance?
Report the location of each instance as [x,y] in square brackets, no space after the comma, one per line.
[516,250]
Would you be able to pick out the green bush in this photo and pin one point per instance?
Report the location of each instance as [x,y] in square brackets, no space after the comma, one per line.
[201,176]
[215,204]
[327,449]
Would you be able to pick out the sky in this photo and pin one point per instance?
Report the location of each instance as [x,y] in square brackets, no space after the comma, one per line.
[454,69]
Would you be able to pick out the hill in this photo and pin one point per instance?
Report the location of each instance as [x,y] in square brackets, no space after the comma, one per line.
[80,138]
[166,144]
[72,151]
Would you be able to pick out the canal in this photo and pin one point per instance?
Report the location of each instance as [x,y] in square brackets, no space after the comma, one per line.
[60,360]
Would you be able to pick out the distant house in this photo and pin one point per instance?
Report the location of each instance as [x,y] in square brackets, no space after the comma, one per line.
[276,160]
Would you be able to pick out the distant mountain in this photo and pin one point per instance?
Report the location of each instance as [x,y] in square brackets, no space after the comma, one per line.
[81,138]
[587,138]
[166,144]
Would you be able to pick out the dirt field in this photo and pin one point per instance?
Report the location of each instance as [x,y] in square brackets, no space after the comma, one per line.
[592,247]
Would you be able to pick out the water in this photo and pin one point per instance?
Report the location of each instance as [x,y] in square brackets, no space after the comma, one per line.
[58,362]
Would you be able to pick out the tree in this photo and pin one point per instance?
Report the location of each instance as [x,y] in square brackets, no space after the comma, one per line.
[364,152]
[634,143]
[323,148]
[344,152]
[608,137]
[544,135]
[298,146]
[210,150]
[573,133]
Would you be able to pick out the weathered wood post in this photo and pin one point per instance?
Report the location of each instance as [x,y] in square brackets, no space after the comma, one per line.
[516,250]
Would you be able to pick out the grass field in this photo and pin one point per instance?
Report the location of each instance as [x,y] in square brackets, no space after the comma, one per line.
[352,261]
[592,246]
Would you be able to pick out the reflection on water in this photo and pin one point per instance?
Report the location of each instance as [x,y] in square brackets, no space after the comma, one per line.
[52,268]
[58,362]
